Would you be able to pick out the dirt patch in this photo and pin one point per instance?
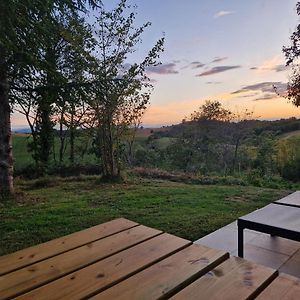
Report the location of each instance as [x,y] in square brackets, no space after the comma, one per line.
[237,199]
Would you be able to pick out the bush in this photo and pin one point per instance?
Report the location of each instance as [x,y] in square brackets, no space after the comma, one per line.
[186,177]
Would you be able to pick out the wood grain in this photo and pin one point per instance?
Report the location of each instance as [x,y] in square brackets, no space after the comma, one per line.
[35,275]
[167,276]
[37,253]
[109,271]
[235,279]
[284,287]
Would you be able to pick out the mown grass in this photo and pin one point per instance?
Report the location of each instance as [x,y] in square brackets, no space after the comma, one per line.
[52,207]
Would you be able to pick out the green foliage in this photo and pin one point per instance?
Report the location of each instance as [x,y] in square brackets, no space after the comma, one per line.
[292,54]
[122,90]
[212,110]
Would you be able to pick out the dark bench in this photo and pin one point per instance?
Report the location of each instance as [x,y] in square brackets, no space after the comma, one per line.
[278,220]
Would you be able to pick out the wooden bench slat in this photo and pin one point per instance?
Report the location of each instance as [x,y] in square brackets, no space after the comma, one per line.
[284,287]
[167,276]
[25,257]
[236,279]
[109,271]
[35,275]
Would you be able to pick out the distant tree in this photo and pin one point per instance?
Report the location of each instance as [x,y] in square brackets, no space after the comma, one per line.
[266,150]
[242,129]
[212,111]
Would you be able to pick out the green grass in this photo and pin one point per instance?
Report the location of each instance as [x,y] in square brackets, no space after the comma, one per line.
[53,207]
[163,142]
[22,157]
[295,133]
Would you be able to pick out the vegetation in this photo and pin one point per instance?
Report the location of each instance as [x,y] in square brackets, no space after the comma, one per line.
[51,207]
[56,68]
[84,100]
[292,54]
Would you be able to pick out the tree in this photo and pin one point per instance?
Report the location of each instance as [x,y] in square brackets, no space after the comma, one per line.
[292,54]
[212,111]
[121,90]
[22,29]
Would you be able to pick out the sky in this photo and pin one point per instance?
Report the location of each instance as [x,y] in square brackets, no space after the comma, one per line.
[226,50]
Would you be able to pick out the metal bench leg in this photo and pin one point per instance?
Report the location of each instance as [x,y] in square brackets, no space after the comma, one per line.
[240,241]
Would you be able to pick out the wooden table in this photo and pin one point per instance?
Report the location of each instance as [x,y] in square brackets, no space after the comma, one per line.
[274,219]
[121,259]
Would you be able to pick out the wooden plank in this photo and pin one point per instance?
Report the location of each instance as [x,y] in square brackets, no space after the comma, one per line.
[284,287]
[105,273]
[37,253]
[35,275]
[167,276]
[235,279]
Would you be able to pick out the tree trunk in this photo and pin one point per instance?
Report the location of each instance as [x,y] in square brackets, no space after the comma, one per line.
[62,138]
[237,144]
[6,160]
[72,138]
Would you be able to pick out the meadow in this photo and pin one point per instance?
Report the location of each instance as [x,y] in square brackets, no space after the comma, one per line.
[50,207]
[189,206]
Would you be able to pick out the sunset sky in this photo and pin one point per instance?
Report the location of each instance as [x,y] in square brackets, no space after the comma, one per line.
[227,50]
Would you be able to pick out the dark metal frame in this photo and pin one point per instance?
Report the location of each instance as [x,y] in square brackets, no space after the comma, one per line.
[272,230]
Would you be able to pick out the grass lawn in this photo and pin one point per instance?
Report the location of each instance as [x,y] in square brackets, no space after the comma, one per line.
[52,207]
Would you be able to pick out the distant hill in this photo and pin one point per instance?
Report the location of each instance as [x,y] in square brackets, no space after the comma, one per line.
[146,132]
[24,130]
[283,127]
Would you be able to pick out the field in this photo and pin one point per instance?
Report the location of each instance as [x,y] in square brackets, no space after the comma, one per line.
[51,207]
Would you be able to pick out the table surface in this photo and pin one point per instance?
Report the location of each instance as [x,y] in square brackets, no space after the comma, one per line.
[122,259]
[279,216]
[291,200]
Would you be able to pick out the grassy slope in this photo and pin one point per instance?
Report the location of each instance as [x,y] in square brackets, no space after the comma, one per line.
[23,158]
[56,207]
[295,133]
[21,154]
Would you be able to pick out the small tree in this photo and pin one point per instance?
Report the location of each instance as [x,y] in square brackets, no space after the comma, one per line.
[212,111]
[121,90]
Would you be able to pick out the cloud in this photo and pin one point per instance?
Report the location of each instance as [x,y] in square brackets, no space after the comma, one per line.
[276,68]
[275,63]
[266,96]
[266,87]
[280,68]
[219,59]
[196,65]
[223,13]
[163,69]
[267,90]
[213,82]
[216,70]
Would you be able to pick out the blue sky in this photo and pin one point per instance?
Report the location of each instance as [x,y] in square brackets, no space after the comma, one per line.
[227,50]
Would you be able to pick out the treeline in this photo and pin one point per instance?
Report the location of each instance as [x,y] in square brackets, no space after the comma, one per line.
[210,146]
